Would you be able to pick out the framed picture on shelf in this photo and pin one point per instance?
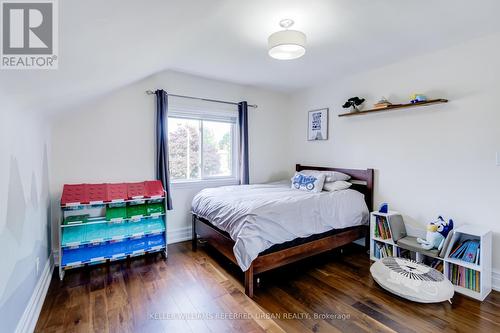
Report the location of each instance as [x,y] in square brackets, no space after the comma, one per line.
[317,126]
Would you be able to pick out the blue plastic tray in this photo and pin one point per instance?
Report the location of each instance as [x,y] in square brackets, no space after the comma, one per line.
[117,249]
[154,225]
[136,245]
[91,233]
[117,230]
[96,232]
[73,235]
[74,257]
[155,241]
[136,228]
[95,253]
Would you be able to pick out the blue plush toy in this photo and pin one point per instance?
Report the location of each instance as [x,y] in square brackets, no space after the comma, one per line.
[437,231]
[384,208]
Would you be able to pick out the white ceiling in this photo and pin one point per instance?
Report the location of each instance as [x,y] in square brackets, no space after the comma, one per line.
[106,44]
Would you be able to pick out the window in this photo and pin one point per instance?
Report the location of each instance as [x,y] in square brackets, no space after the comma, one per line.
[202,146]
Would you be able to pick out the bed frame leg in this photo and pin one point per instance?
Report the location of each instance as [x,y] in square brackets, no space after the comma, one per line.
[194,240]
[249,282]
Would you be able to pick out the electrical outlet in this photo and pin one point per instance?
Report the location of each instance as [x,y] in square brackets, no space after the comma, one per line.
[37,264]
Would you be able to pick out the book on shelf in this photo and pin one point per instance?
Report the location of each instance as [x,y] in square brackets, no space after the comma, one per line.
[381,228]
[406,254]
[446,244]
[467,251]
[437,264]
[465,277]
[382,250]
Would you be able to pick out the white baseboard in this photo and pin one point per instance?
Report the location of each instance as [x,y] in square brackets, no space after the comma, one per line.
[179,235]
[30,316]
[495,280]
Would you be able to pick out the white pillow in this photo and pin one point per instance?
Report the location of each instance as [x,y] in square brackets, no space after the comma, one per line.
[336,186]
[308,183]
[330,176]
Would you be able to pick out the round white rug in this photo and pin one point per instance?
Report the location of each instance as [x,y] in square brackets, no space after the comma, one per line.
[412,280]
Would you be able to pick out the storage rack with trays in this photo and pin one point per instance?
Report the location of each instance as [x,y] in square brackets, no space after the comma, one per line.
[95,237]
[459,234]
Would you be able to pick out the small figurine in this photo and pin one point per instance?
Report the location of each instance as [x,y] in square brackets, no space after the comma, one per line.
[416,98]
[382,103]
[384,208]
[353,102]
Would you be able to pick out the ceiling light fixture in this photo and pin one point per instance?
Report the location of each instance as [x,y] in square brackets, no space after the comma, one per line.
[287,44]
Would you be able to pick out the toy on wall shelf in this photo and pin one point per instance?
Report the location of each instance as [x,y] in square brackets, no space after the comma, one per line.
[382,103]
[416,98]
[437,231]
[353,102]
[384,208]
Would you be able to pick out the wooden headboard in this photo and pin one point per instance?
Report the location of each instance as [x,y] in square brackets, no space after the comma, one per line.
[362,180]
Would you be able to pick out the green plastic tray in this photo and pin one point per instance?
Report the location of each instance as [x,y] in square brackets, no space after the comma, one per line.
[75,219]
[136,211]
[155,208]
[116,213]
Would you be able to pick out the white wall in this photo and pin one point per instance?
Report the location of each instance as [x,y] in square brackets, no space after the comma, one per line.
[429,161]
[24,210]
[112,139]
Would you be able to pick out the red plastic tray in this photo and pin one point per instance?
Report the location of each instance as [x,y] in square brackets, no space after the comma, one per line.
[154,188]
[136,190]
[116,192]
[96,193]
[77,194]
[74,194]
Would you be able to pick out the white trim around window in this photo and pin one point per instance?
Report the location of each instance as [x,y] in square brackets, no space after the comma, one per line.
[227,116]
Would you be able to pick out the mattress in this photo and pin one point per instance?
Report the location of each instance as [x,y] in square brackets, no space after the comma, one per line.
[260,216]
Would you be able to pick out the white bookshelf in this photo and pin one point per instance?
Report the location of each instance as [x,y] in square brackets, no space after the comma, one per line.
[374,239]
[485,254]
[459,234]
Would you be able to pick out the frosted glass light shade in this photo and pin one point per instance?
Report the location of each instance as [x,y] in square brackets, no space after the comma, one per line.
[287,44]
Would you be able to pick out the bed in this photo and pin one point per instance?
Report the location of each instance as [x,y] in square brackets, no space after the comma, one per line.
[262,227]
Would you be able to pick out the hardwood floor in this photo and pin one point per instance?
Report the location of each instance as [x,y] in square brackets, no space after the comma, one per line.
[333,292]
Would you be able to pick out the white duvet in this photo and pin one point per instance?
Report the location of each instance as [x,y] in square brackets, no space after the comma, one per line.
[259,216]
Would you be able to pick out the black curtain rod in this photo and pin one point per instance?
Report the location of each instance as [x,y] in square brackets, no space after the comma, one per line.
[151,92]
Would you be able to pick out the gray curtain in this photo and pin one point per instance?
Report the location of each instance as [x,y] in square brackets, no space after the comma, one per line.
[243,124]
[162,172]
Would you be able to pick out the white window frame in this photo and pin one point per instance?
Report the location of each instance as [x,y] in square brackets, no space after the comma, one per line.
[210,115]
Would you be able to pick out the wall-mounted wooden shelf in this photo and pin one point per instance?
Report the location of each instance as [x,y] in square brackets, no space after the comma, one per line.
[395,106]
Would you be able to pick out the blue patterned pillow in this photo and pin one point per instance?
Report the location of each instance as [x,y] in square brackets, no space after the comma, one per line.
[308,183]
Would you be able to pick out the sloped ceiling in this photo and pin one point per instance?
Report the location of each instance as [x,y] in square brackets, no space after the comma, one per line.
[108,44]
